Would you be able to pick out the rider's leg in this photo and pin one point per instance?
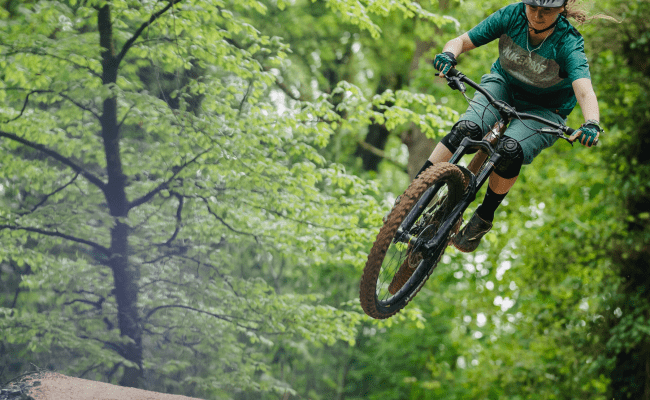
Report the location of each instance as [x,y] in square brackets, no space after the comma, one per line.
[520,146]
[440,154]
[501,180]
[498,188]
[504,176]
[501,185]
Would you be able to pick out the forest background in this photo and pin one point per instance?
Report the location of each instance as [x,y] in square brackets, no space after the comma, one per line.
[189,189]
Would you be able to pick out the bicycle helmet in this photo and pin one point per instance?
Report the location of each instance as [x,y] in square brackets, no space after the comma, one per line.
[544,3]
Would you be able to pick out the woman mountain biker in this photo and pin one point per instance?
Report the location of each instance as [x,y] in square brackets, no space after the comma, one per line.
[542,69]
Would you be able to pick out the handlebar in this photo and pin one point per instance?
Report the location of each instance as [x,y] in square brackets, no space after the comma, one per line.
[456,81]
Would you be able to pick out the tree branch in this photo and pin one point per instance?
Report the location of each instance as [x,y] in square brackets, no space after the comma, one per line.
[380,153]
[64,160]
[244,98]
[85,108]
[287,90]
[164,185]
[92,367]
[40,52]
[163,281]
[25,103]
[223,222]
[179,220]
[167,255]
[65,96]
[126,114]
[227,318]
[47,196]
[94,245]
[96,304]
[299,221]
[109,375]
[115,346]
[221,275]
[154,16]
[13,303]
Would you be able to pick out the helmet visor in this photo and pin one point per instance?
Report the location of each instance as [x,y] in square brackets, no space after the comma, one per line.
[544,3]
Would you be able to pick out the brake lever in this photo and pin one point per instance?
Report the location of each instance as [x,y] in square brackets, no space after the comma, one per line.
[555,132]
[455,83]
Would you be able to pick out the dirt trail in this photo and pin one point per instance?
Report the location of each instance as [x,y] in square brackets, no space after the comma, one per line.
[53,386]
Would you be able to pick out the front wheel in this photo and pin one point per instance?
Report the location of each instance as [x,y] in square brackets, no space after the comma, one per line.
[396,268]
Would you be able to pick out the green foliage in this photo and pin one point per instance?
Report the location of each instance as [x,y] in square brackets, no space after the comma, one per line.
[243,189]
[232,209]
[239,121]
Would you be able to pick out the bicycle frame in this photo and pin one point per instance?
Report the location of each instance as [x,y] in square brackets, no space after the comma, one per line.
[475,184]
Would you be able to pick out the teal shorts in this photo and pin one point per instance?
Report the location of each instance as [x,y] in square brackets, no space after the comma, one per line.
[532,143]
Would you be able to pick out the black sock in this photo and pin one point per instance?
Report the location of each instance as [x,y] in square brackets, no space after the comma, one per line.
[424,168]
[490,204]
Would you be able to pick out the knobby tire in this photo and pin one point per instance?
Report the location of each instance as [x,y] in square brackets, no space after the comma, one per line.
[454,181]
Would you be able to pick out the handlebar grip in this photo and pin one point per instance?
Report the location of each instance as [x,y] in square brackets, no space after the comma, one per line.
[453,72]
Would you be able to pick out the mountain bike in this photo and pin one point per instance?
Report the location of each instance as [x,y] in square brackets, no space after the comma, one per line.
[424,220]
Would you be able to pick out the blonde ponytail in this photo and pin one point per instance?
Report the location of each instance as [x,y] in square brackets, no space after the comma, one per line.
[576,11]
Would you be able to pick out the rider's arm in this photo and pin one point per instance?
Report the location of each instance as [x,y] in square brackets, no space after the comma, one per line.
[588,103]
[459,45]
[586,98]
[486,31]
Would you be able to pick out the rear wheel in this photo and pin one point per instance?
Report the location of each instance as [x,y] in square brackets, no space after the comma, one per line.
[396,268]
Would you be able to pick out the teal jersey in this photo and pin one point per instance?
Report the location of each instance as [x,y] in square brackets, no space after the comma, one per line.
[544,76]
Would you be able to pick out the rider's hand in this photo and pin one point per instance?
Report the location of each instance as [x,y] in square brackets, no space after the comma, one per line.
[588,133]
[444,62]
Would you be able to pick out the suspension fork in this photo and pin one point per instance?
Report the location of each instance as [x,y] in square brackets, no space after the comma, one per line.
[491,138]
[474,186]
[403,234]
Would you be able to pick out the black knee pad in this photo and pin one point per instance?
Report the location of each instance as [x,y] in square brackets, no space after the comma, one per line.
[512,158]
[460,131]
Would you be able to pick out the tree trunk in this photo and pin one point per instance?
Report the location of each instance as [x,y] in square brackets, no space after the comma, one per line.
[419,146]
[377,137]
[125,276]
[340,395]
